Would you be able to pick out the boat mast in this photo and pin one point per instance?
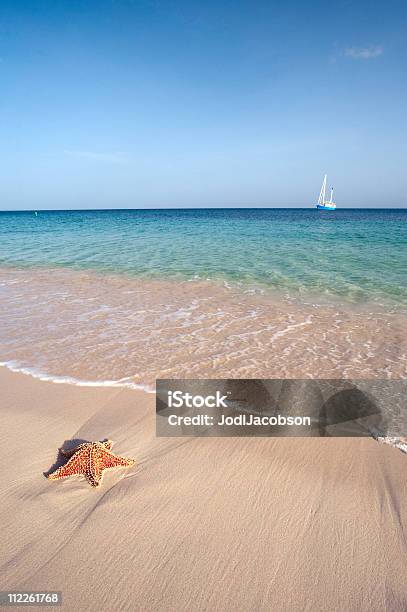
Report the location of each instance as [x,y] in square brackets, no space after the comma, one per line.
[332,193]
[321,198]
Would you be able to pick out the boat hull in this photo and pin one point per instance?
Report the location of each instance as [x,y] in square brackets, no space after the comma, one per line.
[325,207]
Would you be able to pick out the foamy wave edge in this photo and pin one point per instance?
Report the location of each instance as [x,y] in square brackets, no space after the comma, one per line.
[14,366]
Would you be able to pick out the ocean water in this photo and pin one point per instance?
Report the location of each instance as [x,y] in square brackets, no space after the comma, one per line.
[125,297]
[355,255]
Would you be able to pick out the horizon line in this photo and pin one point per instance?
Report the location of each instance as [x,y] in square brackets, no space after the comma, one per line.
[56,210]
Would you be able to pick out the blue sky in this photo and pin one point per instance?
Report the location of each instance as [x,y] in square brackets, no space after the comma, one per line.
[183,103]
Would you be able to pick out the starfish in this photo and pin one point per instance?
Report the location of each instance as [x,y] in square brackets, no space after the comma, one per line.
[90,459]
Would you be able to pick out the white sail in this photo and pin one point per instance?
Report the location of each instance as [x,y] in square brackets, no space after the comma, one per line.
[321,198]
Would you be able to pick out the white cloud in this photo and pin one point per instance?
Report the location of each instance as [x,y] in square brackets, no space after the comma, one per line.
[364,52]
[112,158]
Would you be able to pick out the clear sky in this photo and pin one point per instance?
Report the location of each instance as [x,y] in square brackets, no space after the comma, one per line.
[119,103]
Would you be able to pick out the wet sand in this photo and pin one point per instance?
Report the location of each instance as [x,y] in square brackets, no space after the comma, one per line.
[198,524]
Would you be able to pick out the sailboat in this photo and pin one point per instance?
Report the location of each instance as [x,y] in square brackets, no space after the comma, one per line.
[325,204]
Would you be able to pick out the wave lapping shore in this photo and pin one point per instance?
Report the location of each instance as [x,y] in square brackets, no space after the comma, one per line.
[92,328]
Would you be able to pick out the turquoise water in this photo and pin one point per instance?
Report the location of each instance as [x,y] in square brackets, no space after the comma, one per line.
[355,255]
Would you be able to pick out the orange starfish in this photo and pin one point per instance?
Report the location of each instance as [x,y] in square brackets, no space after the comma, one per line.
[90,459]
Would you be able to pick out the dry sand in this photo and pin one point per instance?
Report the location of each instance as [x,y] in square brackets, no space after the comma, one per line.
[198,524]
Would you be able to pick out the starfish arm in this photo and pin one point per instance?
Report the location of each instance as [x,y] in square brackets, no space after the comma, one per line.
[75,465]
[94,477]
[108,444]
[111,461]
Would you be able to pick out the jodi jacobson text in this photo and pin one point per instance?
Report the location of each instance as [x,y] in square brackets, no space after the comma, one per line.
[239,419]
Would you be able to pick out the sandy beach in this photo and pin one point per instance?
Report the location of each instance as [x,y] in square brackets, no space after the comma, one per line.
[197,524]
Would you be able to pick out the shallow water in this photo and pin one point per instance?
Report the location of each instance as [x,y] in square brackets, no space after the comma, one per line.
[115,329]
[125,297]
[354,256]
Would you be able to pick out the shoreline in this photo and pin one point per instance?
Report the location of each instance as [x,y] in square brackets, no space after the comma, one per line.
[270,522]
[12,366]
[399,443]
